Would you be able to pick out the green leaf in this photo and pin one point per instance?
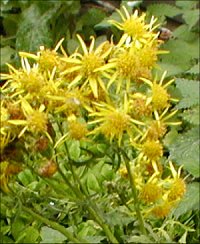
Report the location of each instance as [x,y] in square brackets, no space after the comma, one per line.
[190,201]
[17,228]
[92,183]
[50,235]
[139,239]
[26,177]
[192,115]
[34,30]
[163,9]
[186,4]
[31,235]
[194,69]
[178,61]
[191,17]
[92,17]
[6,54]
[183,33]
[185,151]
[190,92]
[74,150]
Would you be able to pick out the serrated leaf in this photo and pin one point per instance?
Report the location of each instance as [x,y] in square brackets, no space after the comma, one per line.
[192,115]
[50,235]
[163,9]
[178,61]
[195,69]
[183,33]
[185,151]
[187,4]
[190,201]
[190,93]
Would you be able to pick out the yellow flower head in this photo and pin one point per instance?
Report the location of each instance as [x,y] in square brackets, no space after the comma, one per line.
[35,119]
[159,96]
[114,122]
[153,150]
[178,185]
[90,66]
[150,192]
[134,25]
[77,129]
[162,210]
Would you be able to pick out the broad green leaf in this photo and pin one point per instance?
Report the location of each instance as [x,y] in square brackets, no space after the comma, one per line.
[50,235]
[195,69]
[31,235]
[190,92]
[34,30]
[74,150]
[190,200]
[178,61]
[17,228]
[183,33]
[192,115]
[163,9]
[92,17]
[187,4]
[191,17]
[185,151]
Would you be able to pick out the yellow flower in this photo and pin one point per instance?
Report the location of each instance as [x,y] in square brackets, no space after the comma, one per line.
[135,26]
[159,95]
[177,190]
[47,59]
[36,120]
[114,122]
[90,66]
[128,68]
[151,192]
[162,210]
[178,186]
[153,150]
[77,129]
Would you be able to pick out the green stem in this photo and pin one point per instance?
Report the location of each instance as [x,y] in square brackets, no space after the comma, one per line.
[91,207]
[83,194]
[134,193]
[54,225]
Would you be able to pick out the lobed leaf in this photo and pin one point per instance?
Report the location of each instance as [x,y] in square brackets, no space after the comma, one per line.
[185,151]
[190,92]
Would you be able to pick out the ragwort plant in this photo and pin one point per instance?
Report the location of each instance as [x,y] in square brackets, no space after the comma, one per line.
[61,115]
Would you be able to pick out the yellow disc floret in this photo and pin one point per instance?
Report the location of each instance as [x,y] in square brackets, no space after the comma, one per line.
[150,192]
[160,97]
[152,149]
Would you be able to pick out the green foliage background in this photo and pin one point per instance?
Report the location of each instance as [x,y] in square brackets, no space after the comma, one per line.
[26,25]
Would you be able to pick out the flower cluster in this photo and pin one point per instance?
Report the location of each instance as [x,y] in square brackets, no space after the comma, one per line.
[108,90]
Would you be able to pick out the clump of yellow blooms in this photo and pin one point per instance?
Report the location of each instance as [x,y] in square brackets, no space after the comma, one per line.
[106,90]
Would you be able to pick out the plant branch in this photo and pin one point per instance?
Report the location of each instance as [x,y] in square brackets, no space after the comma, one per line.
[54,225]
